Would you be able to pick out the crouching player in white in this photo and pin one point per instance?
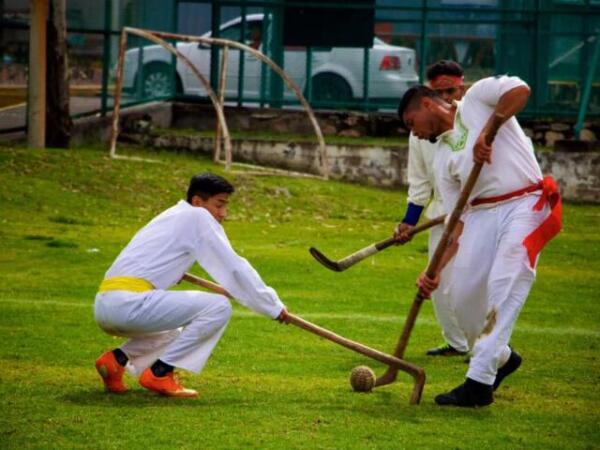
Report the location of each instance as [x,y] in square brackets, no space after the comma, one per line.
[447,80]
[513,213]
[168,329]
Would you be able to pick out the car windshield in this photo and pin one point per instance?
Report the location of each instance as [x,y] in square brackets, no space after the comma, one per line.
[252,35]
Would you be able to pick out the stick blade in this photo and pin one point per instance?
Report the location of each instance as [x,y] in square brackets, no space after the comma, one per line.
[387,378]
[331,265]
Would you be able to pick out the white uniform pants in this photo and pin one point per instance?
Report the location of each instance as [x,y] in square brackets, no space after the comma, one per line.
[179,327]
[442,304]
[491,279]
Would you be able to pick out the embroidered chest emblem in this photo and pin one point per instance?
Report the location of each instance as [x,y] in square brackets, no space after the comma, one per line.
[458,138]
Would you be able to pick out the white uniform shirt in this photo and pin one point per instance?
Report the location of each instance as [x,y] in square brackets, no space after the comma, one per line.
[513,161]
[421,182]
[166,248]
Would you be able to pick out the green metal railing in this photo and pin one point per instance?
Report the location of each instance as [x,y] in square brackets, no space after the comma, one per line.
[534,17]
[552,44]
[429,17]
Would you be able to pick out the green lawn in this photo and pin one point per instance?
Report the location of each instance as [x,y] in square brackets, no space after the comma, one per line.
[64,216]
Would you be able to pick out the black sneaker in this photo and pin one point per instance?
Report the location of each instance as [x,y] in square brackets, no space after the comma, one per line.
[445,350]
[470,394]
[513,363]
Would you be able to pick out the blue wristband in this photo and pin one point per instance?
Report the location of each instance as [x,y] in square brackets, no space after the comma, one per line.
[413,213]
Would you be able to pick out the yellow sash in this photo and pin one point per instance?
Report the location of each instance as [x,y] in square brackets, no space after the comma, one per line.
[125,284]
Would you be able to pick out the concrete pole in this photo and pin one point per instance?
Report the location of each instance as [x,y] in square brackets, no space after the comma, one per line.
[36,117]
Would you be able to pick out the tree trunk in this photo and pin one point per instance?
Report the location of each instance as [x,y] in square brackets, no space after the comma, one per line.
[58,120]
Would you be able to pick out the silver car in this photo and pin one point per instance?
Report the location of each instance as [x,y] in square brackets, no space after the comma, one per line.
[337,74]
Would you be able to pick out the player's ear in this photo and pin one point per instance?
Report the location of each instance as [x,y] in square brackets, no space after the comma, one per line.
[427,103]
[196,200]
[431,104]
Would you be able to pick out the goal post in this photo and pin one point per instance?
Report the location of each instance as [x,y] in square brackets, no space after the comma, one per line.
[160,38]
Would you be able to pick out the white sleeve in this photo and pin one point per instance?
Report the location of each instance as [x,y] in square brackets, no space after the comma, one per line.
[489,90]
[419,184]
[448,186]
[450,193]
[214,253]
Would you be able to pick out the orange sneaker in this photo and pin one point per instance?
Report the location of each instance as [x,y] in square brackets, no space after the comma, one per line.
[111,372]
[167,385]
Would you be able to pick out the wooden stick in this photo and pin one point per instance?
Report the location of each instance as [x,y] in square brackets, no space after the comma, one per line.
[114,131]
[217,154]
[217,288]
[418,373]
[434,265]
[356,257]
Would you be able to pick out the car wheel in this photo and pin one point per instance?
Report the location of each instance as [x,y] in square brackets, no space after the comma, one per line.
[158,81]
[329,89]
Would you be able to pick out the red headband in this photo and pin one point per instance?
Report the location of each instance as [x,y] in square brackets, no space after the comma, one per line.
[446,81]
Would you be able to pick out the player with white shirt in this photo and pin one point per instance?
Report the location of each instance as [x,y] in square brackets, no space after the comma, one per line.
[445,78]
[168,329]
[513,212]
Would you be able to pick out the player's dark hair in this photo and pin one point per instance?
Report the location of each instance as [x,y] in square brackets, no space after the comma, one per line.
[444,67]
[412,98]
[206,185]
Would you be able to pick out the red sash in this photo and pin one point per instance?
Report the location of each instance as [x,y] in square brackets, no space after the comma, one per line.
[503,197]
[538,238]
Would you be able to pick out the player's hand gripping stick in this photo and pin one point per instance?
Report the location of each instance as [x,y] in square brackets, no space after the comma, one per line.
[434,265]
[416,372]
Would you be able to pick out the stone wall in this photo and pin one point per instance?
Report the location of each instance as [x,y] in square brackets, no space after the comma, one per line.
[578,174]
[358,164]
[549,133]
[291,121]
[202,117]
[94,129]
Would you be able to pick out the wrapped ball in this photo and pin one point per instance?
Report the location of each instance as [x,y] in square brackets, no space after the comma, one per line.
[362,379]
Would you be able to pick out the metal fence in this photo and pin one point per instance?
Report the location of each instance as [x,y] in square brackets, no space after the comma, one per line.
[552,44]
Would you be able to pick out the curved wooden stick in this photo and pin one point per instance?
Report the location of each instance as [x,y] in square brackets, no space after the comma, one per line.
[278,70]
[418,373]
[217,288]
[356,257]
[434,265]
[154,37]
[217,152]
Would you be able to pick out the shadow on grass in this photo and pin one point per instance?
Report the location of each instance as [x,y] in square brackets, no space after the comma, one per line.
[140,399]
[387,405]
[393,406]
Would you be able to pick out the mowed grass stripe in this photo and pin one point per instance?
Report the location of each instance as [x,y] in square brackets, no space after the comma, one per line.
[243,314]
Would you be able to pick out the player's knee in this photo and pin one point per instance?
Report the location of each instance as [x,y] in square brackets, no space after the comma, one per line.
[223,308]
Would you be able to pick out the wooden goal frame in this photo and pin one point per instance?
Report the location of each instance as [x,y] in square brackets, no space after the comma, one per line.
[222,130]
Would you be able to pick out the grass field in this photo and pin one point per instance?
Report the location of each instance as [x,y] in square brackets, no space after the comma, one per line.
[66,214]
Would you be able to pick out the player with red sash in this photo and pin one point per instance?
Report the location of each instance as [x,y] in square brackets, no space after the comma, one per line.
[513,212]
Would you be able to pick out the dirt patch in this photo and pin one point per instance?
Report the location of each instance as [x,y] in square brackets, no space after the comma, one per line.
[490,323]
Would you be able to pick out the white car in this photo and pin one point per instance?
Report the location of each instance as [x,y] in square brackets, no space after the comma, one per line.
[336,73]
